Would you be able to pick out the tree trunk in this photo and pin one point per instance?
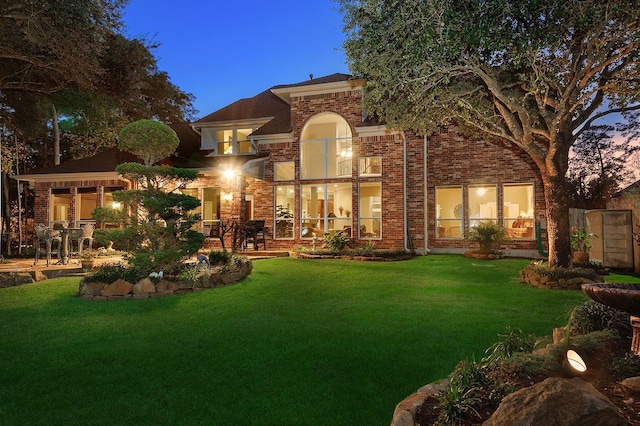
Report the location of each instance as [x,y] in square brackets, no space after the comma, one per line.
[6,213]
[558,226]
[56,136]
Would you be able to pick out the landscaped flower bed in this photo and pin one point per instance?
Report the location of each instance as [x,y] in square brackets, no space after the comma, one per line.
[157,286]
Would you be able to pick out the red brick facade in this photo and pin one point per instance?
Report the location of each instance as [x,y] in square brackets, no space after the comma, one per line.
[412,168]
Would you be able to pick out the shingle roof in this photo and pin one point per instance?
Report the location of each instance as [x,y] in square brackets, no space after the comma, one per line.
[188,152]
[267,104]
[263,105]
[333,78]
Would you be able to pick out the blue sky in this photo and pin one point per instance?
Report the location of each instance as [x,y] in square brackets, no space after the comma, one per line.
[221,51]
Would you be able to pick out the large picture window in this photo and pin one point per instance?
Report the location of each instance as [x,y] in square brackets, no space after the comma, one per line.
[449,212]
[326,149]
[483,206]
[325,208]
[284,214]
[86,203]
[60,206]
[518,211]
[370,206]
[284,170]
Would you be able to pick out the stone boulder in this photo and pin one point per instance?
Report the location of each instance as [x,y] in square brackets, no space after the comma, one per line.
[557,402]
[145,285]
[117,288]
[91,289]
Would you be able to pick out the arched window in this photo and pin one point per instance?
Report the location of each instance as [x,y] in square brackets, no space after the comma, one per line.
[326,148]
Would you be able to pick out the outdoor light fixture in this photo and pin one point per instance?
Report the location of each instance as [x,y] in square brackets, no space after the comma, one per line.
[116,205]
[227,196]
[573,365]
[229,173]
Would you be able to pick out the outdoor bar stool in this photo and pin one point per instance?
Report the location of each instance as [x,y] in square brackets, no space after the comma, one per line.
[87,235]
[47,236]
[254,234]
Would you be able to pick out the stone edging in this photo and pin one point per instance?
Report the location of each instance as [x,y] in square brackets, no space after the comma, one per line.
[145,288]
[530,277]
[405,412]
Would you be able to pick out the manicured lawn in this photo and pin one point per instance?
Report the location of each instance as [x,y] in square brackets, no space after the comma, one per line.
[300,342]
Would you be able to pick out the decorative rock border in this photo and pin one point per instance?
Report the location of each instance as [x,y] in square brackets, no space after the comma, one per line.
[146,288]
[405,412]
[11,279]
[533,278]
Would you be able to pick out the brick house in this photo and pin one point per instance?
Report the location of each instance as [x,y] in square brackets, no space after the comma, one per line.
[307,160]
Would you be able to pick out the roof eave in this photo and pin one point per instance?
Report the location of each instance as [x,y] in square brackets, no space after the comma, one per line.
[285,93]
[66,177]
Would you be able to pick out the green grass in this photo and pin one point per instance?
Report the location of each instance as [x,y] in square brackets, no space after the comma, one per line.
[299,342]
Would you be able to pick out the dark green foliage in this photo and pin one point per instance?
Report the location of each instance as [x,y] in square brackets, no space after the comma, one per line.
[626,366]
[511,342]
[488,234]
[593,316]
[219,257]
[110,272]
[148,139]
[461,396]
[335,241]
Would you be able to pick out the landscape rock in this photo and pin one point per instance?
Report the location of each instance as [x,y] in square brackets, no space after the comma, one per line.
[91,289]
[557,402]
[166,286]
[117,288]
[38,275]
[145,285]
[631,386]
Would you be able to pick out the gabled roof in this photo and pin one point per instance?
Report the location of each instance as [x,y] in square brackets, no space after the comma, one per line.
[272,104]
[333,78]
[263,105]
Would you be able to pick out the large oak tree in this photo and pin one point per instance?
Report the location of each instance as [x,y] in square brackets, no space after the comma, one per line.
[537,73]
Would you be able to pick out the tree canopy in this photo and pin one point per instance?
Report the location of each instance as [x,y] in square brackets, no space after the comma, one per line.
[148,139]
[534,73]
[46,46]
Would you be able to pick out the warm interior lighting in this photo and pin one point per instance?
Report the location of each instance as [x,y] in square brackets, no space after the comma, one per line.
[481,191]
[116,205]
[576,362]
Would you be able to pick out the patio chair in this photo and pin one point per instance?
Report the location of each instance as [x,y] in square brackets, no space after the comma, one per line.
[254,234]
[87,235]
[47,236]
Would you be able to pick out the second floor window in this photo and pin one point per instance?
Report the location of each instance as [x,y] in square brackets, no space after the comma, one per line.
[228,141]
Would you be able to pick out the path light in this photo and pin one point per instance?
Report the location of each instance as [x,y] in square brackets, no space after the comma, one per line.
[573,365]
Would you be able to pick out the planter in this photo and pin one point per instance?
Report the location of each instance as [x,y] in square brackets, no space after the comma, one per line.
[580,257]
[87,265]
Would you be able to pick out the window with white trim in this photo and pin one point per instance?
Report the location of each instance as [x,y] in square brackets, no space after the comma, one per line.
[370,210]
[518,210]
[449,212]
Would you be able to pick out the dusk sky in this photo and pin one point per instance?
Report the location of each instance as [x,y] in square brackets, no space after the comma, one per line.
[223,51]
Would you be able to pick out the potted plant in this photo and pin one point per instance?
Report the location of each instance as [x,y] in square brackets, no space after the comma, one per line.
[87,260]
[581,244]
